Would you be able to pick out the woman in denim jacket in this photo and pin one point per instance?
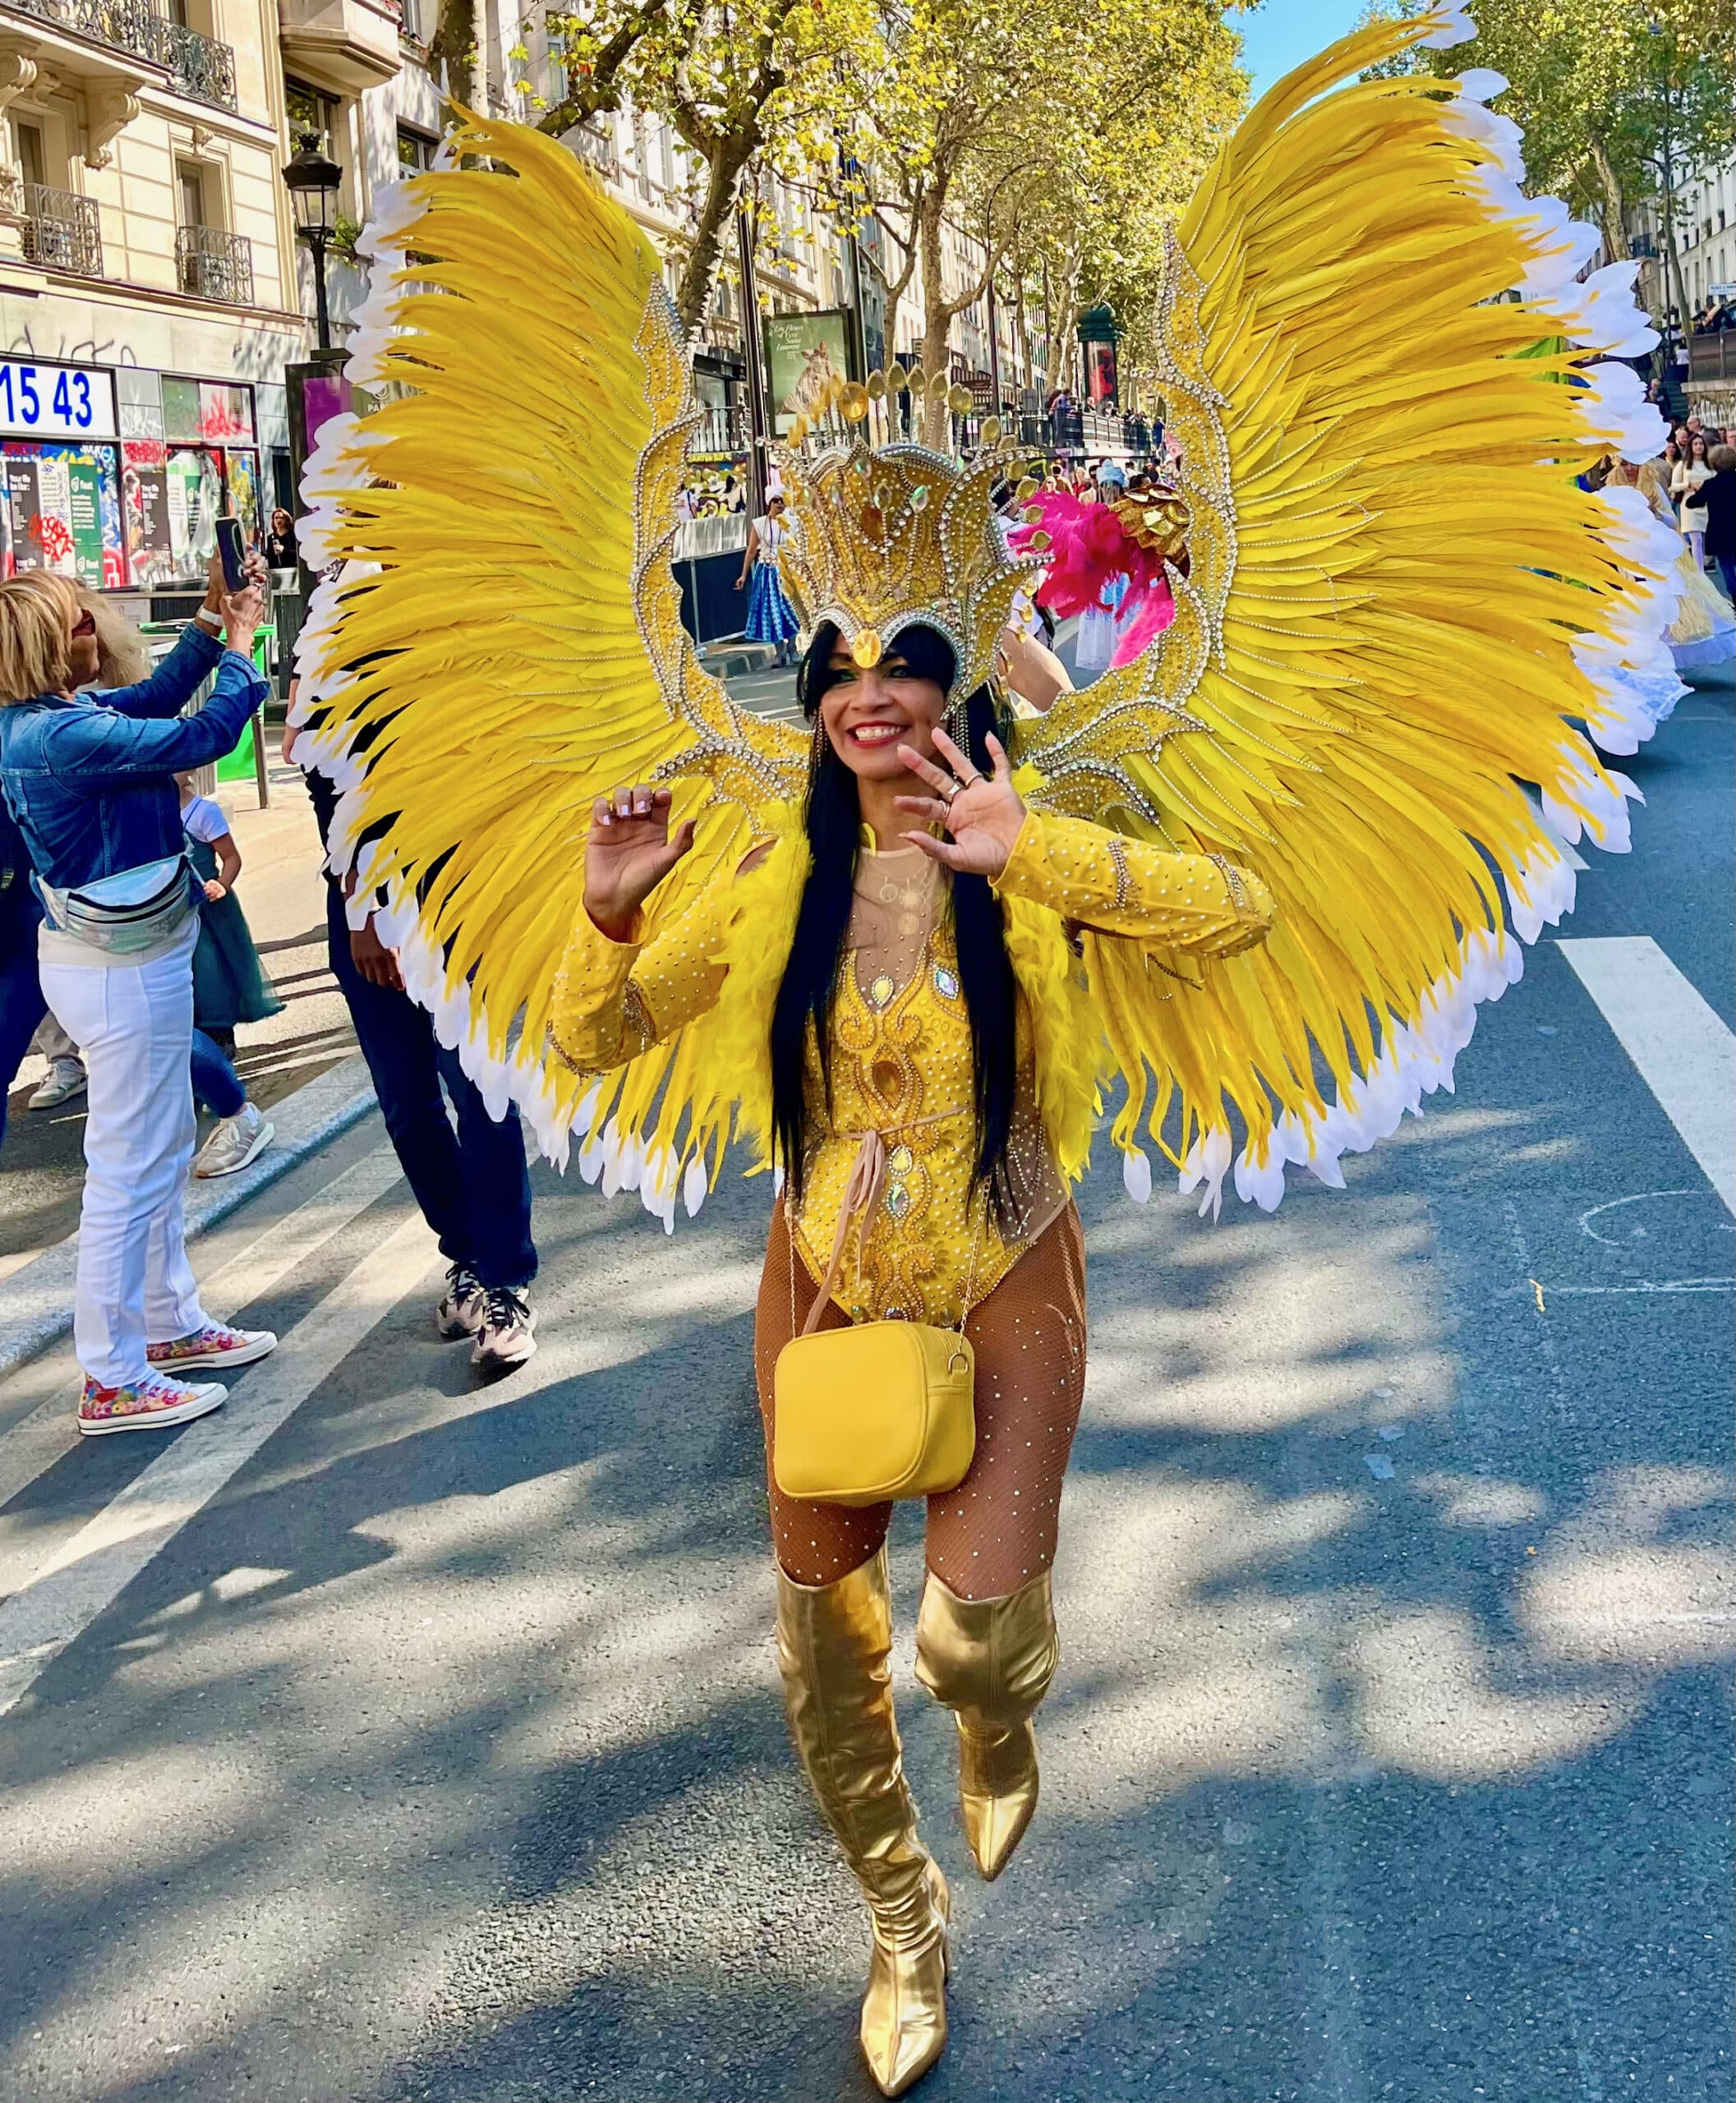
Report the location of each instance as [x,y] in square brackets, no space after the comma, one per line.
[90,784]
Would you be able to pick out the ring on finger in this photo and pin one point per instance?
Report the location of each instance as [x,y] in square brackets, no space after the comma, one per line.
[949,789]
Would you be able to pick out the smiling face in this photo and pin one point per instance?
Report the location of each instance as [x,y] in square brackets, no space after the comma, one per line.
[867,715]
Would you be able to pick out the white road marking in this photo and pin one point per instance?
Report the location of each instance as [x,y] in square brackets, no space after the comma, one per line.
[38,1441]
[88,1573]
[1684,1053]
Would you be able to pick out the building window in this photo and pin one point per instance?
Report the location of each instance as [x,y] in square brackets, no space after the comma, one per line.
[415,151]
[190,199]
[32,159]
[307,110]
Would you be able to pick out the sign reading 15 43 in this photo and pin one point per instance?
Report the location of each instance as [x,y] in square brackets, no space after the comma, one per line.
[55,401]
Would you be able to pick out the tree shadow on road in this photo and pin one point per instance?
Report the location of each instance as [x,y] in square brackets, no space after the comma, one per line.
[1384,1760]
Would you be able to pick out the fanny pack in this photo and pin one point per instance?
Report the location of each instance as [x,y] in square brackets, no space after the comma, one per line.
[103,917]
[881,1409]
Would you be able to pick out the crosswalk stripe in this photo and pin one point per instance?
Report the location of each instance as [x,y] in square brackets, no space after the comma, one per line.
[277,1252]
[83,1577]
[1685,1054]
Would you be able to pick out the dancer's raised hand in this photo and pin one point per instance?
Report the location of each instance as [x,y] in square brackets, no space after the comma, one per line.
[983,812]
[629,851]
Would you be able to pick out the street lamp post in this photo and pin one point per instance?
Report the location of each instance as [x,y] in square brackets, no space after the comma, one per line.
[312,181]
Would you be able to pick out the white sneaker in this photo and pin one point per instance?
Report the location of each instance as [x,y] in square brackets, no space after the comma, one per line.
[506,1334]
[236,1141]
[64,1079]
[460,1311]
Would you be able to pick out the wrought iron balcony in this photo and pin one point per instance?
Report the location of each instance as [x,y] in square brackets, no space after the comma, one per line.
[211,264]
[203,68]
[61,232]
[198,67]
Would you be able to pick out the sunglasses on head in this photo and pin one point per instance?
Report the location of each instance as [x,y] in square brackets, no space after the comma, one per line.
[85,623]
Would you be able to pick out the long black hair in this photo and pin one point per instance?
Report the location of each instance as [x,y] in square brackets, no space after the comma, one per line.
[833,821]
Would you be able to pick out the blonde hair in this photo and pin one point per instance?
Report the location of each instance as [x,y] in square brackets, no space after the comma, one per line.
[37,611]
[123,655]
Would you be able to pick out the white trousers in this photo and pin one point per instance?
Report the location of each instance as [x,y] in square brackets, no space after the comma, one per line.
[134,1024]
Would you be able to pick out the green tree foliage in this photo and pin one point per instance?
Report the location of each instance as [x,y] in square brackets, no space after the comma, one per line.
[1057,134]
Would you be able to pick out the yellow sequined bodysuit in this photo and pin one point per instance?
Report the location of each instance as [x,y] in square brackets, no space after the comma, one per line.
[929,1247]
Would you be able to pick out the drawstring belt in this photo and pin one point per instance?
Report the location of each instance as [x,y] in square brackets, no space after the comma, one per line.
[867,1177]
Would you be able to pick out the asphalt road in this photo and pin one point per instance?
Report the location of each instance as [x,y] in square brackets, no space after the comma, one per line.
[433,1751]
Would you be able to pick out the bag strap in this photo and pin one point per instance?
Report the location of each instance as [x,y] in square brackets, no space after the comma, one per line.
[867,1177]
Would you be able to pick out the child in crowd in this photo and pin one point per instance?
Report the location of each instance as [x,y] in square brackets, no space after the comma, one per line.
[229,986]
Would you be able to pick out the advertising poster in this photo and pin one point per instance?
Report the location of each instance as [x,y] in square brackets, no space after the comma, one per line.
[802,352]
[194,504]
[63,511]
[22,508]
[150,553]
[243,477]
[39,498]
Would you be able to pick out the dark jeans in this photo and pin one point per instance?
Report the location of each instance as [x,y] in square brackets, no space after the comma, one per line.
[21,1005]
[215,1082]
[1725,566]
[472,1184]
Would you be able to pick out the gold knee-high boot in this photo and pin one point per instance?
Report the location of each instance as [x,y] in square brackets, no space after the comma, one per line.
[990,1661]
[833,1645]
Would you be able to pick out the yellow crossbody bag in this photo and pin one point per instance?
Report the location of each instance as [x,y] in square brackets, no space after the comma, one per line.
[880,1410]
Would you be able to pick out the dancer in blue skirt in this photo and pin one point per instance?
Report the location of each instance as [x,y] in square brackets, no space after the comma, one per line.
[771,617]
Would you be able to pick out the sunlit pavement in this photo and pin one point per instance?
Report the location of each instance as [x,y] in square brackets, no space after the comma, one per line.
[391,1736]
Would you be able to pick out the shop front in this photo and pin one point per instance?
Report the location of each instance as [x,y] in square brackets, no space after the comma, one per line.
[118,476]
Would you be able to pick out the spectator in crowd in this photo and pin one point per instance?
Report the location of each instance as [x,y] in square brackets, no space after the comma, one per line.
[91,783]
[280,541]
[21,1005]
[230,987]
[466,1171]
[1718,499]
[1686,477]
[65,1080]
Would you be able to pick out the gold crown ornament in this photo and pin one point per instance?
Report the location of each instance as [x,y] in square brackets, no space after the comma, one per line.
[888,537]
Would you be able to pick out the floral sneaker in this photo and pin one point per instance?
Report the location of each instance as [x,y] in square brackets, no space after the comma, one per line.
[147,1405]
[214,1345]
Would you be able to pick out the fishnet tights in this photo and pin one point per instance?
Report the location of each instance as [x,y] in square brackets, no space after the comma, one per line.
[997,1530]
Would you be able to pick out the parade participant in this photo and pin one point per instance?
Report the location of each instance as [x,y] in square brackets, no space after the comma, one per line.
[1703,632]
[771,618]
[902,955]
[91,784]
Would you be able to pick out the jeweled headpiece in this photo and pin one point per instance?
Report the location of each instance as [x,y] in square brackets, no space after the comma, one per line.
[888,537]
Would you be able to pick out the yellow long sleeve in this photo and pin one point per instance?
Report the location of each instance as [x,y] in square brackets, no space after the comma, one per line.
[1096,879]
[615,999]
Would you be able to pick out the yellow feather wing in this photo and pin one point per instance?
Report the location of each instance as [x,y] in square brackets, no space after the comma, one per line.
[1397,603]
[502,642]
